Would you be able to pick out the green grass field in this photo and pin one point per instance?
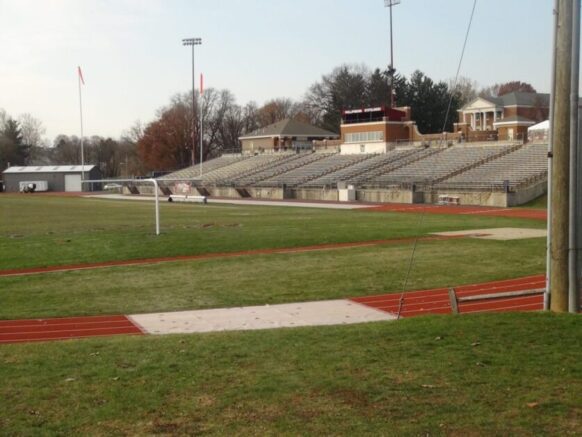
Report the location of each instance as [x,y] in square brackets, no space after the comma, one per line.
[42,231]
[505,374]
[541,202]
[471,375]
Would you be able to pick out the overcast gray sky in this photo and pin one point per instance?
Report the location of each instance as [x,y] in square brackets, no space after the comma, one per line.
[133,60]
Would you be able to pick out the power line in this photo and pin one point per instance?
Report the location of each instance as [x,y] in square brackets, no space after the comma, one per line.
[459,66]
[422,214]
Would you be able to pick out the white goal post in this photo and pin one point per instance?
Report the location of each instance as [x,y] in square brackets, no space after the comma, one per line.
[152,181]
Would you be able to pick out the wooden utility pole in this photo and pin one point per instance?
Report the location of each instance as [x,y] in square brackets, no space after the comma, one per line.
[559,213]
[574,269]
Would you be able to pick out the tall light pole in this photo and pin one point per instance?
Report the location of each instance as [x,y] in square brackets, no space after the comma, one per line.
[391,70]
[193,42]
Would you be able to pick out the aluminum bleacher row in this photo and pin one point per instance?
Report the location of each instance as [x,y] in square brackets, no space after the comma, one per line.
[527,163]
[291,163]
[459,167]
[326,164]
[207,167]
[440,164]
[364,169]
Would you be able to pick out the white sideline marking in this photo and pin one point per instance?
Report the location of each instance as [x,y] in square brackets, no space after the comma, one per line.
[330,312]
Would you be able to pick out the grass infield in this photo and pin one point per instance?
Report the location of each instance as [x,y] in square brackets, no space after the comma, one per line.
[42,230]
[496,374]
[267,279]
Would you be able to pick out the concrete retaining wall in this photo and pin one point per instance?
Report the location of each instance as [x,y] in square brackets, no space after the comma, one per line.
[229,192]
[388,196]
[266,193]
[316,194]
[481,198]
[527,194]
[497,199]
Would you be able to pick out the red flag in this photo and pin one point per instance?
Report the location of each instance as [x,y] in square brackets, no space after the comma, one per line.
[201,84]
[81,75]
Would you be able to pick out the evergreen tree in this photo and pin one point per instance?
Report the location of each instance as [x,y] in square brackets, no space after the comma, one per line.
[12,149]
[429,102]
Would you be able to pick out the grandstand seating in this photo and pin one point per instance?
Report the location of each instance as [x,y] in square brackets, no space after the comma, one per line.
[325,164]
[439,165]
[527,163]
[485,167]
[224,175]
[193,172]
[294,161]
[360,170]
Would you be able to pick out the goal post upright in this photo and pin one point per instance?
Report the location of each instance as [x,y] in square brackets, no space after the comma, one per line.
[152,181]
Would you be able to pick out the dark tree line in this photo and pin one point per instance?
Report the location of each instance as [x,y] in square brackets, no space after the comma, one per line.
[354,87]
[113,157]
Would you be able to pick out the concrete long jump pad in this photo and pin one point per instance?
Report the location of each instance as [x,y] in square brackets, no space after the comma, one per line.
[328,312]
[497,233]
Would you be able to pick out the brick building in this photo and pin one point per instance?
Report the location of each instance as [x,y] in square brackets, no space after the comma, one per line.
[371,130]
[506,117]
[286,134]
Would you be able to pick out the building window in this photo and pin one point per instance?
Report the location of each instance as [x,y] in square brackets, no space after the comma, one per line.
[363,137]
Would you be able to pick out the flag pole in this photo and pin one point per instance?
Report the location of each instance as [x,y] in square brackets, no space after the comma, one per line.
[80,79]
[201,131]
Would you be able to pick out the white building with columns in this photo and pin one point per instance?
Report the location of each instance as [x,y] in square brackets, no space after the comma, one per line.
[506,117]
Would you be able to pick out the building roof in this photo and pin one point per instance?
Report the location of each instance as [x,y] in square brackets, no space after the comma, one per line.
[48,169]
[544,125]
[289,128]
[526,99]
[516,99]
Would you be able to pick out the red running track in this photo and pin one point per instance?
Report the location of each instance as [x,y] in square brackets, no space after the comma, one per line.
[436,301]
[24,331]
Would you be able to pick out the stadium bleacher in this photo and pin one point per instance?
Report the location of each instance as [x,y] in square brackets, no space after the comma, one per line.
[527,163]
[360,170]
[294,161]
[439,165]
[471,167]
[209,166]
[325,164]
[223,175]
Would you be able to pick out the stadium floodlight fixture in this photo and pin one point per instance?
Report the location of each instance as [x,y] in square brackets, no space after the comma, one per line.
[391,70]
[193,42]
